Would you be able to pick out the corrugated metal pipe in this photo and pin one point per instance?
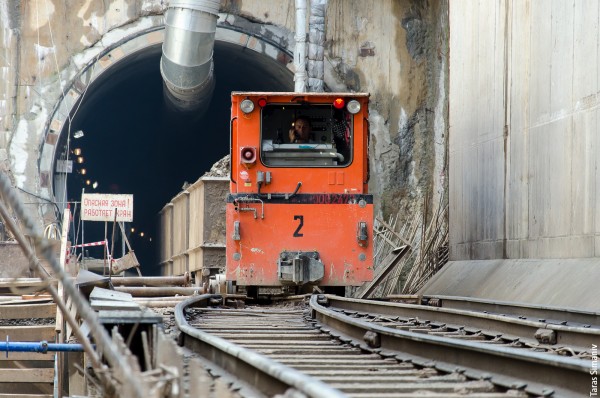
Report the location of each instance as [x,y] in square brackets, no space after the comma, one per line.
[186,64]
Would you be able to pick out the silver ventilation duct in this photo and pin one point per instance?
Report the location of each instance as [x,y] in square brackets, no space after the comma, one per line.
[186,64]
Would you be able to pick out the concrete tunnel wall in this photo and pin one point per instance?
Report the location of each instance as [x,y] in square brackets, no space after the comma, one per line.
[524,100]
[524,132]
[395,50]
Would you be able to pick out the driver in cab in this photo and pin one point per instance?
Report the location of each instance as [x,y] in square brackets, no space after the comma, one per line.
[300,131]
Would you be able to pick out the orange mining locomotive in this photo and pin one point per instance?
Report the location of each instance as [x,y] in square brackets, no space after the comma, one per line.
[298,212]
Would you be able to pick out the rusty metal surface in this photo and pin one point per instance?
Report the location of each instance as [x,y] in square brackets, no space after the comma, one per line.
[137,291]
[573,315]
[287,335]
[265,375]
[474,325]
[537,373]
[157,281]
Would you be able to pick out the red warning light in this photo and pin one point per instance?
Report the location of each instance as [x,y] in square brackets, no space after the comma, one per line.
[262,102]
[338,103]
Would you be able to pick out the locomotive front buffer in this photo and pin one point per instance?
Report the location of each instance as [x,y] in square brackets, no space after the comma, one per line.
[300,267]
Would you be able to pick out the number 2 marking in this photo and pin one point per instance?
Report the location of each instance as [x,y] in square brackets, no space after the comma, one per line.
[297,233]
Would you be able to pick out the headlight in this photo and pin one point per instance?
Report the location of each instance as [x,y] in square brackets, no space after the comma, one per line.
[247,106]
[353,107]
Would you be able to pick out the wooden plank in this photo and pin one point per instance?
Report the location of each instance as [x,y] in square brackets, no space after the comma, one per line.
[25,356]
[45,310]
[73,311]
[23,282]
[76,365]
[170,355]
[62,259]
[28,333]
[26,300]
[36,297]
[38,375]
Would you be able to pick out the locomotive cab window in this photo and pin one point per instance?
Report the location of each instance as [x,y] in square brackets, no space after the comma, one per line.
[315,135]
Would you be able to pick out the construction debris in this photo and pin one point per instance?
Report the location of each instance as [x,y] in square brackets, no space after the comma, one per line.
[219,169]
[405,260]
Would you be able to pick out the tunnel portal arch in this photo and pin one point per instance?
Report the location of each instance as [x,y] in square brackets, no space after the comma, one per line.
[122,83]
[235,41]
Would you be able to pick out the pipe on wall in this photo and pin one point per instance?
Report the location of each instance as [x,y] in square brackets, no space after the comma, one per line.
[316,46]
[186,64]
[300,50]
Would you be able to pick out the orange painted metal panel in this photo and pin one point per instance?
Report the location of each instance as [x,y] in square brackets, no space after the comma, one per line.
[330,229]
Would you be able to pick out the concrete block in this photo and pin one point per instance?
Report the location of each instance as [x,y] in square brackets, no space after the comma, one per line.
[564,283]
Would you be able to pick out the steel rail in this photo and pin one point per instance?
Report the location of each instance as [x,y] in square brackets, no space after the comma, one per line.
[546,313]
[580,337]
[538,371]
[262,373]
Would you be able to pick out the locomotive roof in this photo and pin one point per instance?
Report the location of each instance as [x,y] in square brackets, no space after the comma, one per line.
[272,93]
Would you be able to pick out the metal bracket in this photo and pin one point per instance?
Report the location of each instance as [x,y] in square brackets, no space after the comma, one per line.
[300,267]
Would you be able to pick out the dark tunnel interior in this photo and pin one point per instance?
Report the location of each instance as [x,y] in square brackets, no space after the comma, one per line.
[134,144]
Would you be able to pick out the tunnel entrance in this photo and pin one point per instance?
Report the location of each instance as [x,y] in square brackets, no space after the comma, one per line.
[133,143]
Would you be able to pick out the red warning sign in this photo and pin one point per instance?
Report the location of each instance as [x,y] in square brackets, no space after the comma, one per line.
[101,207]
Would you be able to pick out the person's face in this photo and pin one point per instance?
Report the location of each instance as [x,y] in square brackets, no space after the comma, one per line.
[302,127]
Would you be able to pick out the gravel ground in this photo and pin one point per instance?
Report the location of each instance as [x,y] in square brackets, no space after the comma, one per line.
[27,322]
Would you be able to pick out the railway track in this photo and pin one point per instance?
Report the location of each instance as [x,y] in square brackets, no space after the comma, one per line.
[540,335]
[335,347]
[549,315]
